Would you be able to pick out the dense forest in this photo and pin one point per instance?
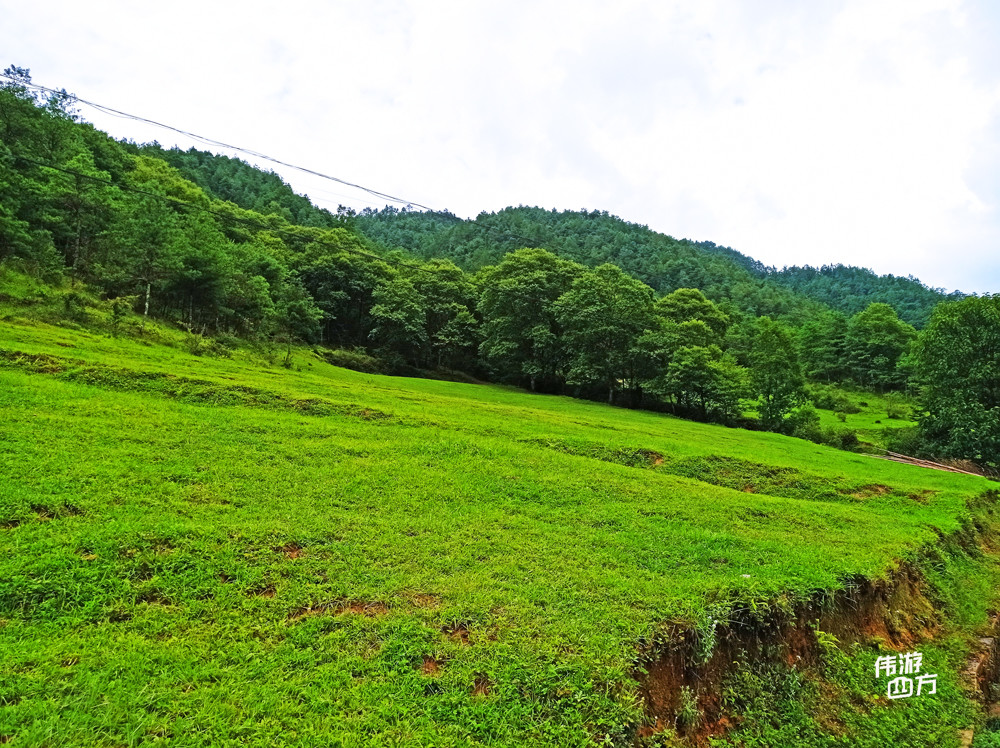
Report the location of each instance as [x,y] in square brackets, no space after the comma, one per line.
[578,303]
[662,262]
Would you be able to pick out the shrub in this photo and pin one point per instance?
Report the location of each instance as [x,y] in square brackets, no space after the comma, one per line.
[75,306]
[906,441]
[841,438]
[357,360]
[803,423]
[830,398]
[896,407]
[688,713]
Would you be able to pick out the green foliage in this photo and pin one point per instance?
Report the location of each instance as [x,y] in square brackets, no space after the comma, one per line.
[690,304]
[590,238]
[841,705]
[775,373]
[841,438]
[521,332]
[823,347]
[247,186]
[850,290]
[804,423]
[957,362]
[688,713]
[876,341]
[118,310]
[897,408]
[356,360]
[399,313]
[602,316]
[828,397]
[217,248]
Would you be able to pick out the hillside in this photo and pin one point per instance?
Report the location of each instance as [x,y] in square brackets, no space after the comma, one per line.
[218,550]
[590,238]
[213,534]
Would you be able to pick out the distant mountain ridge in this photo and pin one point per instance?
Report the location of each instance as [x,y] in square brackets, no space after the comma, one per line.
[588,237]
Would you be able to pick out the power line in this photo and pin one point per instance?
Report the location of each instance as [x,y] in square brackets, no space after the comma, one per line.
[219,214]
[219,143]
[256,154]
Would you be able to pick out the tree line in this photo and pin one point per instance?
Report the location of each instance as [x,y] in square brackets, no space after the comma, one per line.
[577,303]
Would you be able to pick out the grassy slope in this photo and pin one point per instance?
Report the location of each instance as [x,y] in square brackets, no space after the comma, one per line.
[424,563]
[871,423]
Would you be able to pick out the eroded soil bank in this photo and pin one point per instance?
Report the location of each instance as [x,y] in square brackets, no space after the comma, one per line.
[684,678]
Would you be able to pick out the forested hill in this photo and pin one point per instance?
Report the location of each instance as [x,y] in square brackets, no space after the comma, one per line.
[590,238]
[249,187]
[593,238]
[665,263]
[851,289]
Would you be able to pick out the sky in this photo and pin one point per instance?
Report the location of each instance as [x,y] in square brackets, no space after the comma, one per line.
[862,132]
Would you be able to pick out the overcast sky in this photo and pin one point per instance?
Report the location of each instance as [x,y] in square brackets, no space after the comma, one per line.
[864,132]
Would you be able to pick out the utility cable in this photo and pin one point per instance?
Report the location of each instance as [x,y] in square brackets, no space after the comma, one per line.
[263,156]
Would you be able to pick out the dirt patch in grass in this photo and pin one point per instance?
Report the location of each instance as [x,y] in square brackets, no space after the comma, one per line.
[922,496]
[457,632]
[362,608]
[482,685]
[369,609]
[628,456]
[291,550]
[153,596]
[426,600]
[874,489]
[430,666]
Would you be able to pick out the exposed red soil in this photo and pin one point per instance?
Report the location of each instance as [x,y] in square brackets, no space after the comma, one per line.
[363,608]
[370,609]
[430,666]
[984,667]
[894,611]
[457,632]
[291,550]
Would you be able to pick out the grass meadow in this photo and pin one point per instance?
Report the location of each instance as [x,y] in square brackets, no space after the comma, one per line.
[217,550]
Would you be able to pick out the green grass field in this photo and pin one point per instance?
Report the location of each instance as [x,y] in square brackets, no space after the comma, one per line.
[221,551]
[872,422]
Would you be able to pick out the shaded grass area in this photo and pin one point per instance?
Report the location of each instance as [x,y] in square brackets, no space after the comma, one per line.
[188,553]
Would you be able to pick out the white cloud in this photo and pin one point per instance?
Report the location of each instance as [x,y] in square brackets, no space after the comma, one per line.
[829,132]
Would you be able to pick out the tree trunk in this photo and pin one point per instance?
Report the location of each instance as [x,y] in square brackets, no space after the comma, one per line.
[145,310]
[77,248]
